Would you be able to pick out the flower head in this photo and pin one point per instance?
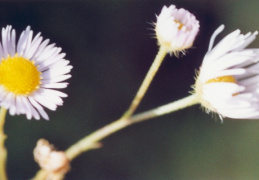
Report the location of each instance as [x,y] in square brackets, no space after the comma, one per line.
[228,80]
[176,29]
[49,159]
[30,71]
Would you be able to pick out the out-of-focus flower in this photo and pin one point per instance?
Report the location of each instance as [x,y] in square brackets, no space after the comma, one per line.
[49,159]
[228,79]
[176,29]
[30,71]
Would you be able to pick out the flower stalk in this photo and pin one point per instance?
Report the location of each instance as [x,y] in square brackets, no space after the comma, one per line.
[166,109]
[146,82]
[3,151]
[88,142]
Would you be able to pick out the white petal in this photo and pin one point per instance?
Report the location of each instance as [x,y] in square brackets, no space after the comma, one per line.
[55,92]
[55,85]
[22,42]
[56,72]
[34,46]
[40,49]
[39,108]
[43,101]
[45,64]
[55,79]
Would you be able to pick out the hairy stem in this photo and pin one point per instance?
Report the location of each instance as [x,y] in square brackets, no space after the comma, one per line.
[146,82]
[89,141]
[3,152]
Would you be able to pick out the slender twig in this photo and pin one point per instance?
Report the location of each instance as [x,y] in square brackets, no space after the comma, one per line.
[146,82]
[87,143]
[3,152]
[166,109]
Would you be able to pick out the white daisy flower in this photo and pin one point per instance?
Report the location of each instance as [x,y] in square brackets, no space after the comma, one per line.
[176,29]
[228,80]
[29,72]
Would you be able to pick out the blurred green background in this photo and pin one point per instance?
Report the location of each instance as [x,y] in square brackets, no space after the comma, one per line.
[110,45]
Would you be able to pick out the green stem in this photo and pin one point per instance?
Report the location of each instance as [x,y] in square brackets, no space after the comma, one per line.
[146,82]
[3,152]
[166,109]
[89,141]
[41,175]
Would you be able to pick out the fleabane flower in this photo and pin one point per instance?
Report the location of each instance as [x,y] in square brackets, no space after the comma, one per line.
[228,79]
[176,29]
[31,71]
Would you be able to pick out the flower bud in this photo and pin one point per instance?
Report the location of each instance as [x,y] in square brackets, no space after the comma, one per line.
[176,29]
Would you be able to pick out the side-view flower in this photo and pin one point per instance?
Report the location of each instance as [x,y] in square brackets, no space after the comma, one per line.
[30,72]
[228,80]
[176,29]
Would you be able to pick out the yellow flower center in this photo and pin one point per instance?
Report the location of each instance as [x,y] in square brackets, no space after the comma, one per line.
[181,24]
[19,75]
[229,79]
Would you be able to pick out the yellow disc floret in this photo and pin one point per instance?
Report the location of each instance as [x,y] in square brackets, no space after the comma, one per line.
[229,79]
[19,75]
[181,25]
